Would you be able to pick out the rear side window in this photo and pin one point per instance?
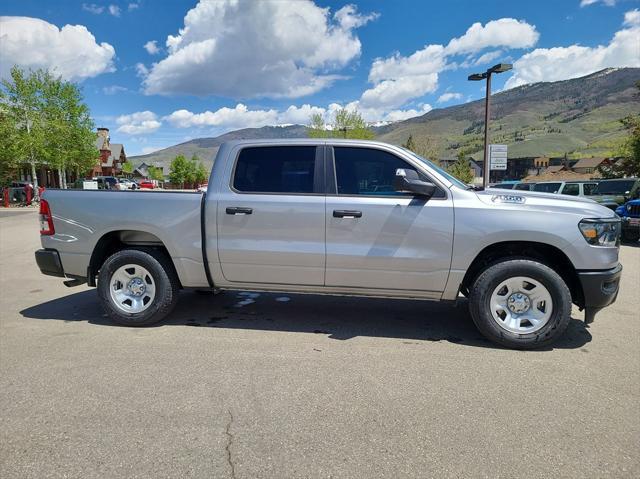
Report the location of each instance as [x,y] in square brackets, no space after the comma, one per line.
[572,189]
[275,169]
[523,186]
[367,171]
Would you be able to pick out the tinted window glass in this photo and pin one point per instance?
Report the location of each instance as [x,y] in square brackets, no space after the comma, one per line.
[614,187]
[275,169]
[504,186]
[547,187]
[365,171]
[589,188]
[572,189]
[523,186]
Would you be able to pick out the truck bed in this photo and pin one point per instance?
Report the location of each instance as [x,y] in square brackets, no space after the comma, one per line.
[84,217]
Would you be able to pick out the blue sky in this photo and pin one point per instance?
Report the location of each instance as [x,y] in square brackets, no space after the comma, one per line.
[214,66]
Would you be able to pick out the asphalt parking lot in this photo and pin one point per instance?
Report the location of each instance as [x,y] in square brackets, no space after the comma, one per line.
[271,385]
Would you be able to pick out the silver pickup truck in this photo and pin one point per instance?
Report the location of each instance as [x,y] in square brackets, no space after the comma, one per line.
[339,217]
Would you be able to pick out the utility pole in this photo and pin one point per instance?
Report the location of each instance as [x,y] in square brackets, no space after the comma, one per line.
[499,68]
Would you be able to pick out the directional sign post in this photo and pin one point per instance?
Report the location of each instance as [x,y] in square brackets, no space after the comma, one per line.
[498,157]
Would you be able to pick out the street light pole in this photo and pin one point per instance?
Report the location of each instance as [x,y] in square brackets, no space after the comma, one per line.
[487,103]
[499,68]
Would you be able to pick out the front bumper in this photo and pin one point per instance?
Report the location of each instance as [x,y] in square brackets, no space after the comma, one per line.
[48,261]
[600,289]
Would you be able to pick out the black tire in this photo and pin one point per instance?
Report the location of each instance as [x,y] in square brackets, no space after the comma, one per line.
[164,277]
[484,286]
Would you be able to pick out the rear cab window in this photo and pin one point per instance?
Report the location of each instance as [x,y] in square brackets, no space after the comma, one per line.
[283,169]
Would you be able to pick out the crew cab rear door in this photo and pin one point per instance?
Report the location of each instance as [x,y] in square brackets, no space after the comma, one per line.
[271,216]
[378,238]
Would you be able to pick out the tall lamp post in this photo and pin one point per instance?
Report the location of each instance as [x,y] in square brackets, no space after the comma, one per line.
[499,68]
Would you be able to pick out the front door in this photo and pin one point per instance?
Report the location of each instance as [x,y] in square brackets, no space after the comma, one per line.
[271,217]
[378,238]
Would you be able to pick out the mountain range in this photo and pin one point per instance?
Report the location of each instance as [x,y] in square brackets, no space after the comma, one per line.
[578,117]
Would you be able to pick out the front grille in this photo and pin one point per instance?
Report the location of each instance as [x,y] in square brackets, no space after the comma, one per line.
[634,210]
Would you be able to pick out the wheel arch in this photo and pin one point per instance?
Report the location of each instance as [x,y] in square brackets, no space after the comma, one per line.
[117,240]
[546,254]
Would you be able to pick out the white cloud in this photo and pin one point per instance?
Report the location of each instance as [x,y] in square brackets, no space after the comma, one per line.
[399,115]
[230,118]
[138,123]
[152,47]
[226,119]
[448,96]
[71,52]
[133,6]
[608,3]
[114,10]
[349,18]
[504,32]
[141,70]
[93,8]
[114,89]
[562,63]
[244,48]
[487,57]
[399,79]
[632,18]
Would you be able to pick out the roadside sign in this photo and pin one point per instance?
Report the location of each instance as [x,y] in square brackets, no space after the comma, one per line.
[89,185]
[497,157]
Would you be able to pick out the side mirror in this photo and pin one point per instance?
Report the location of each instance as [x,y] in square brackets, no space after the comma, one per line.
[408,181]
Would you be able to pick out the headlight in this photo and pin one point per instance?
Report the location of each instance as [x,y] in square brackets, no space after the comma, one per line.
[601,232]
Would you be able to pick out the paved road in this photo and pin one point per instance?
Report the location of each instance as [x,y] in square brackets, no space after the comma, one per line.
[303,386]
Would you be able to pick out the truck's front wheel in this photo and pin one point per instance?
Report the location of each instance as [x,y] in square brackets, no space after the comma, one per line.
[137,288]
[520,304]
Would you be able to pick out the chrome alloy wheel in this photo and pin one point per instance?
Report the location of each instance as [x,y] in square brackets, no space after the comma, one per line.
[521,305]
[132,288]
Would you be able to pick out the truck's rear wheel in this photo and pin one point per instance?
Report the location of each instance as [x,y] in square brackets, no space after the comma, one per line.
[520,304]
[137,288]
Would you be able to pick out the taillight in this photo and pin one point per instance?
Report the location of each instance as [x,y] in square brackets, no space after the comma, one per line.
[46,221]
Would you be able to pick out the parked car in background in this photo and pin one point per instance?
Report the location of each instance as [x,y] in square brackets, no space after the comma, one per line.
[571,188]
[146,184]
[203,188]
[616,192]
[128,184]
[630,214]
[513,185]
[505,185]
[524,186]
[345,217]
[108,183]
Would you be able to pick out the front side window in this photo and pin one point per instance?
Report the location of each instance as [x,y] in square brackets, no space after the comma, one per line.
[275,169]
[367,171]
[572,189]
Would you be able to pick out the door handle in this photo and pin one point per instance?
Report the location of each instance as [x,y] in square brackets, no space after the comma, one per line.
[347,214]
[237,210]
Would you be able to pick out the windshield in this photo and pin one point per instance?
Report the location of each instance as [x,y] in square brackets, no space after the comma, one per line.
[547,187]
[613,187]
[431,164]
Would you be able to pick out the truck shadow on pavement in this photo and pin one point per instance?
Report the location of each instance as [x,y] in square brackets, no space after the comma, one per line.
[337,317]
